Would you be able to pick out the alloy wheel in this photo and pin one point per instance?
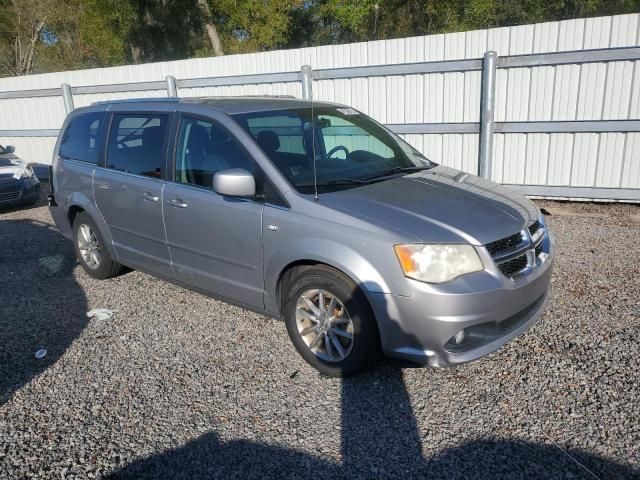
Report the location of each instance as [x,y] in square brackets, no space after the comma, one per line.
[89,246]
[324,325]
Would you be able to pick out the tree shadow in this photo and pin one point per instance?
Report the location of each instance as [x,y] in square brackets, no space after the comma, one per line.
[379,439]
[42,306]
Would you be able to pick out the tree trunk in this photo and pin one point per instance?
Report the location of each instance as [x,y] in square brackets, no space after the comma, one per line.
[32,47]
[215,39]
[135,54]
[212,32]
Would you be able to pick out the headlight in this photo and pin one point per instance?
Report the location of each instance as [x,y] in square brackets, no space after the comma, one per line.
[437,263]
[24,172]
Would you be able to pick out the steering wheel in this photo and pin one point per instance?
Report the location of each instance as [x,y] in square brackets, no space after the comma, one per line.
[337,149]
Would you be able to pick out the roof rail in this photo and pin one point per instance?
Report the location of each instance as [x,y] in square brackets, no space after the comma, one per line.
[131,100]
[270,96]
[177,99]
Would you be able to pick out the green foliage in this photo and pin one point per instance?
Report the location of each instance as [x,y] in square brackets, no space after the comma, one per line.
[358,19]
[51,35]
[86,34]
[254,25]
[21,24]
[165,30]
[379,19]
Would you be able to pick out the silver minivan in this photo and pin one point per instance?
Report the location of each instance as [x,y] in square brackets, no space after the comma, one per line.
[309,212]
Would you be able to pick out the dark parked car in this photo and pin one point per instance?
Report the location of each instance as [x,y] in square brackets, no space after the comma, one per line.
[313,213]
[18,184]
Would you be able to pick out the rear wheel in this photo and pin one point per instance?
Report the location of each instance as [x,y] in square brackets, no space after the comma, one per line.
[90,249]
[330,322]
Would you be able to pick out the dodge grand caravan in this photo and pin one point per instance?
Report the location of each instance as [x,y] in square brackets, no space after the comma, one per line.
[313,213]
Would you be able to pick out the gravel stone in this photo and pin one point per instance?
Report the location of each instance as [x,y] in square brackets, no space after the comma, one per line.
[177,385]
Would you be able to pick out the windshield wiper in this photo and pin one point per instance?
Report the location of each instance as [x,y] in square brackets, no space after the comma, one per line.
[347,181]
[366,180]
[394,171]
[335,182]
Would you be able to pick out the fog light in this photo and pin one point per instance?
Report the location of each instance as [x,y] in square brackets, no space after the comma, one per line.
[459,337]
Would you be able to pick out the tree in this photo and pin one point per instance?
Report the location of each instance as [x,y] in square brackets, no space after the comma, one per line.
[52,35]
[166,29]
[361,20]
[21,23]
[254,25]
[212,31]
[86,34]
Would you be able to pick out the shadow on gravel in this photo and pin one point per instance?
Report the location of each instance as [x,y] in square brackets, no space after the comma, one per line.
[380,439]
[41,304]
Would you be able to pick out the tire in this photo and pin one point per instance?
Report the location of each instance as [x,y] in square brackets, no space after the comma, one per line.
[105,267]
[351,314]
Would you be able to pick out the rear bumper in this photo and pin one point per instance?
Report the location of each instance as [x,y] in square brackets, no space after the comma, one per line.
[59,216]
[489,307]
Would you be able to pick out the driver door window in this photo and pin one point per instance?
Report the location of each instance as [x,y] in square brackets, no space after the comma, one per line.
[204,149]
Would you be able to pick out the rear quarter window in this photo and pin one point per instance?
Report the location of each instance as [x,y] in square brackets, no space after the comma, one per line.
[81,137]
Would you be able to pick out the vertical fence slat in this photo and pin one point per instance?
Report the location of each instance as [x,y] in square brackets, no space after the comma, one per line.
[591,87]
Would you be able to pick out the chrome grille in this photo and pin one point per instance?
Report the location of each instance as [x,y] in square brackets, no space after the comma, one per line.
[505,244]
[519,253]
[538,249]
[534,227]
[513,266]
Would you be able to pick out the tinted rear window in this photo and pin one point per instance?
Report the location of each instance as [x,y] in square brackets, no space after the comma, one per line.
[80,139]
[135,144]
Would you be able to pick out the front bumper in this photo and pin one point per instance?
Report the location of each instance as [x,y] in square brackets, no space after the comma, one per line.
[17,192]
[492,308]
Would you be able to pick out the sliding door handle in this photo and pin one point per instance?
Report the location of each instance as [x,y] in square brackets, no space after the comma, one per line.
[150,197]
[178,203]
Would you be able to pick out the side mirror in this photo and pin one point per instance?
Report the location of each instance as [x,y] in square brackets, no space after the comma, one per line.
[9,149]
[235,182]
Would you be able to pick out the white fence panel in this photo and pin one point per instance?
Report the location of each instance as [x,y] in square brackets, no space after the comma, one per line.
[605,90]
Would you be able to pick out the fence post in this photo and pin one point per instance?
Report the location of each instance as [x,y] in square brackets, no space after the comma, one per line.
[67,97]
[172,90]
[487,107]
[306,77]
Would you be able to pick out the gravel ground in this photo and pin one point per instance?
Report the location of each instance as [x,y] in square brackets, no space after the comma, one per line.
[177,385]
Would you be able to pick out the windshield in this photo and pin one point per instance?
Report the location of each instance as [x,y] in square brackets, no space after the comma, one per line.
[350,148]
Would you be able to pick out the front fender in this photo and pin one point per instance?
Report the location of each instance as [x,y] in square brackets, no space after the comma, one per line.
[342,257]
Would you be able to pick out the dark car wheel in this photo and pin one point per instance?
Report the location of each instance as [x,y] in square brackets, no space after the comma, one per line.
[330,322]
[90,249]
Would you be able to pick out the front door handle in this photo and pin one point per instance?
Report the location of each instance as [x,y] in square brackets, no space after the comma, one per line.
[178,203]
[150,197]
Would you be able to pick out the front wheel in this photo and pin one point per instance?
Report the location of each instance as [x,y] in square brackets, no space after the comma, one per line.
[330,322]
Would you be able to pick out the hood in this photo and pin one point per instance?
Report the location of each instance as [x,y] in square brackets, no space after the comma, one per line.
[439,205]
[12,165]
